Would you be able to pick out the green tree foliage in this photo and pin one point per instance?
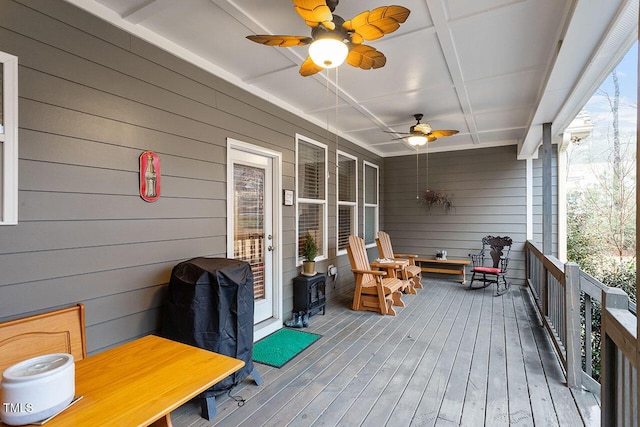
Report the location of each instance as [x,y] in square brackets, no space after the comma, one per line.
[601,220]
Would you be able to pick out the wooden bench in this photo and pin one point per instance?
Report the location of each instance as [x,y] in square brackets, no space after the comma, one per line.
[445,266]
[59,331]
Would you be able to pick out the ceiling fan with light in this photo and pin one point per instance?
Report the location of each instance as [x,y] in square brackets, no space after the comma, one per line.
[333,39]
[421,133]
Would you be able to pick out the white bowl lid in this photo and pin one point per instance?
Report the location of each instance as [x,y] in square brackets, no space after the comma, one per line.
[36,367]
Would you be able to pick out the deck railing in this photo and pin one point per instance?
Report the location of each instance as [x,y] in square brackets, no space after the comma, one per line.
[570,302]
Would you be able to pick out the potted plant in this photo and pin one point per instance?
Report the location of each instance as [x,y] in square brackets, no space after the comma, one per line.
[309,253]
[437,198]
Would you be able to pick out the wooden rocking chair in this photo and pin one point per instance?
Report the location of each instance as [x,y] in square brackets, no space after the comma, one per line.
[412,272]
[496,272]
[374,291]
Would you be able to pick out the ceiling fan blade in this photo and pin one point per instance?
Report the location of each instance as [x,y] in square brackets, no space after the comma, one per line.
[365,57]
[280,41]
[371,25]
[442,132]
[315,12]
[423,127]
[309,68]
[396,133]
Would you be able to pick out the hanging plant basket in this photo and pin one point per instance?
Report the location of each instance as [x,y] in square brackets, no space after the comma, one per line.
[432,198]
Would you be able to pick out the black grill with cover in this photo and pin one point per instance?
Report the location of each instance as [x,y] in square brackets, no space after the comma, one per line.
[209,305]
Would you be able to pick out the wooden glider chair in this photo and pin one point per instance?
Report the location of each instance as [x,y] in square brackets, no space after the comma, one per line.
[59,331]
[494,271]
[412,272]
[373,291]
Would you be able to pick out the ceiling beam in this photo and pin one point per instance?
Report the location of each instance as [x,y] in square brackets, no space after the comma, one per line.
[146,11]
[445,38]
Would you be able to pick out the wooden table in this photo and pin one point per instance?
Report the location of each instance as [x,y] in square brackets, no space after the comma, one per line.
[390,266]
[393,267]
[139,383]
[446,266]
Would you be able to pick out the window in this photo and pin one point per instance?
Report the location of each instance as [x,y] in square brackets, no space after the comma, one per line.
[347,190]
[8,139]
[311,188]
[370,203]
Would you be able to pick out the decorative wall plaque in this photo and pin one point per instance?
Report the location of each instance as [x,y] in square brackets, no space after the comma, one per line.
[149,176]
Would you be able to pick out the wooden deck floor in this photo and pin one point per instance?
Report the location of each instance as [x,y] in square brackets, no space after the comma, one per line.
[451,357]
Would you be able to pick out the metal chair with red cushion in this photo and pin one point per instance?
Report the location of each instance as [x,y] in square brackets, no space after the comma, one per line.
[498,248]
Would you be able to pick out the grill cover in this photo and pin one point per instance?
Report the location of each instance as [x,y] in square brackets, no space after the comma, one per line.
[210,305]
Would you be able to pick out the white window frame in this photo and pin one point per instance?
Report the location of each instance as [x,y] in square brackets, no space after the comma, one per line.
[370,205]
[323,202]
[354,204]
[9,140]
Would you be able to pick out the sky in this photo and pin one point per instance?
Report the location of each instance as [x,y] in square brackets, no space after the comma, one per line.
[598,146]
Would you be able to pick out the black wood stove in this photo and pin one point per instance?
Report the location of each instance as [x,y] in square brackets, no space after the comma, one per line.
[309,294]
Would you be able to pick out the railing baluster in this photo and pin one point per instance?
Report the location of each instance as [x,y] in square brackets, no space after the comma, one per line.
[558,289]
[588,339]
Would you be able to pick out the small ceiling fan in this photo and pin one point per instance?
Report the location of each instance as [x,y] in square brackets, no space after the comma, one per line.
[421,133]
[344,36]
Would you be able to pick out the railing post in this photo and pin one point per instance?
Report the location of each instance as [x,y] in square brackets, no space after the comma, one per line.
[611,298]
[572,322]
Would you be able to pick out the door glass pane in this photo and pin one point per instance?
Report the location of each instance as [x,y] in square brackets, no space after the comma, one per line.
[249,222]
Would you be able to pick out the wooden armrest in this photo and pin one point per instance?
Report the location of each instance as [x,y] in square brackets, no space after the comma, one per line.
[374,272]
[406,256]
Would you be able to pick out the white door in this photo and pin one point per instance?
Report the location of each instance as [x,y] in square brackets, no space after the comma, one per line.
[253,214]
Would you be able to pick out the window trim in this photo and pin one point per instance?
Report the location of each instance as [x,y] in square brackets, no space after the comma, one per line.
[370,205]
[9,140]
[324,202]
[342,203]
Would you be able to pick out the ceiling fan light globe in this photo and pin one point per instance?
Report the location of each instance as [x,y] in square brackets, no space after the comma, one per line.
[328,52]
[417,140]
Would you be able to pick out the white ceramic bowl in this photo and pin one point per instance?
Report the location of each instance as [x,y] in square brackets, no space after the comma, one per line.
[37,388]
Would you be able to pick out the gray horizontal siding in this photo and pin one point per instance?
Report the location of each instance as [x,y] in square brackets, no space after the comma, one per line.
[91,99]
[488,189]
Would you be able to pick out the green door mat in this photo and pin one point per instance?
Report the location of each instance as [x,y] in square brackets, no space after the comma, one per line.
[281,346]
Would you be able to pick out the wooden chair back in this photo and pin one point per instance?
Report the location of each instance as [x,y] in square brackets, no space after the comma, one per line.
[384,245]
[59,331]
[499,248]
[359,259]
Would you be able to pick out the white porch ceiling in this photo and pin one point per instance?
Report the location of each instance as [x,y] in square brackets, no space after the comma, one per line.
[493,69]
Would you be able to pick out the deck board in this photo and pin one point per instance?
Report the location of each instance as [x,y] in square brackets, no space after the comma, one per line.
[450,411]
[474,408]
[450,357]
[520,412]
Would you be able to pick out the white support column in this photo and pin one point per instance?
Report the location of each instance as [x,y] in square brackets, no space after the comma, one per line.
[547,191]
[562,197]
[529,184]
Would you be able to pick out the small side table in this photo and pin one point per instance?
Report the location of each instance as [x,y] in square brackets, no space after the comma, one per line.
[309,293]
[396,268]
